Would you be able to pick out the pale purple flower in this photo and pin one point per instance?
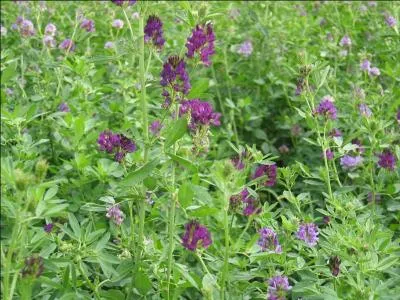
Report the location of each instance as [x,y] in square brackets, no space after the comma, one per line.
[365,65]
[268,240]
[251,205]
[246,48]
[108,141]
[196,236]
[345,41]
[374,71]
[350,162]
[63,107]
[155,127]
[329,154]
[67,45]
[115,214]
[118,23]
[88,25]
[50,29]
[49,41]
[238,161]
[26,28]
[278,288]
[121,2]
[335,132]
[308,232]
[109,45]
[135,15]
[365,110]
[390,21]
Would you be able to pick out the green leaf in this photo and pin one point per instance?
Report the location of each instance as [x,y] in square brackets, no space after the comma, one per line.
[184,162]
[175,132]
[103,242]
[185,194]
[140,174]
[73,222]
[142,283]
[9,72]
[51,192]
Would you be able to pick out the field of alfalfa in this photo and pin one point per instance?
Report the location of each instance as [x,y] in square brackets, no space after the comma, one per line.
[200,150]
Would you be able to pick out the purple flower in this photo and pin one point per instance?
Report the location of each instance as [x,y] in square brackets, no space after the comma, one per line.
[365,65]
[119,156]
[299,87]
[108,141]
[365,110]
[115,214]
[278,288]
[387,160]
[251,205]
[155,127]
[88,25]
[308,232]
[374,71]
[246,48]
[335,132]
[238,161]
[67,45]
[326,108]
[345,41]
[118,23]
[334,264]
[201,113]
[50,29]
[109,45]
[268,240]
[201,41]
[390,21]
[349,162]
[48,227]
[63,107]
[360,148]
[127,144]
[121,2]
[26,28]
[329,154]
[326,220]
[196,236]
[153,31]
[49,41]
[33,267]
[175,75]
[270,171]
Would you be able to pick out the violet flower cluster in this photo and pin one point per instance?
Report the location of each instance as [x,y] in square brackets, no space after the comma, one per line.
[387,160]
[88,25]
[115,214]
[174,74]
[351,162]
[308,232]
[118,143]
[201,113]
[196,236]
[246,48]
[365,65]
[326,108]
[25,27]
[153,32]
[155,127]
[268,240]
[239,161]
[202,42]
[270,171]
[278,288]
[67,45]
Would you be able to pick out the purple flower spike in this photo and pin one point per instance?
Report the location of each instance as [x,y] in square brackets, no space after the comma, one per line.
[201,41]
[196,236]
[268,241]
[49,41]
[365,110]
[365,65]
[155,127]
[326,108]
[390,21]
[50,29]
[201,113]
[67,45]
[153,31]
[63,107]
[329,154]
[345,41]
[117,23]
[238,161]
[308,232]
[278,288]
[251,205]
[387,160]
[26,28]
[350,162]
[107,141]
[48,227]
[115,214]
[126,144]
[88,25]
[270,171]
[374,71]
[174,74]
[246,48]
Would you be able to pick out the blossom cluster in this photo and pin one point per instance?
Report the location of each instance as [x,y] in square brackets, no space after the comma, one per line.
[118,143]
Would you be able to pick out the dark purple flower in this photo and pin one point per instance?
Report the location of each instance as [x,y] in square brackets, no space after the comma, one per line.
[387,160]
[67,45]
[108,141]
[48,227]
[329,154]
[345,41]
[308,232]
[390,21]
[334,264]
[246,48]
[270,171]
[196,236]
[326,220]
[33,267]
[155,127]
[119,156]
[115,214]
[201,113]
[365,110]
[251,205]
[121,2]
[174,74]
[238,161]
[153,31]
[350,162]
[278,288]
[326,108]
[63,107]
[365,65]
[127,144]
[88,25]
[374,71]
[201,41]
[268,241]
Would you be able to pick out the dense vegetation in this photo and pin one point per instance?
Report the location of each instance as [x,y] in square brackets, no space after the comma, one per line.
[200,150]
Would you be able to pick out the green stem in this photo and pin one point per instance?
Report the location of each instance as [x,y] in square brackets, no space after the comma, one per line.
[202,262]
[226,255]
[221,104]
